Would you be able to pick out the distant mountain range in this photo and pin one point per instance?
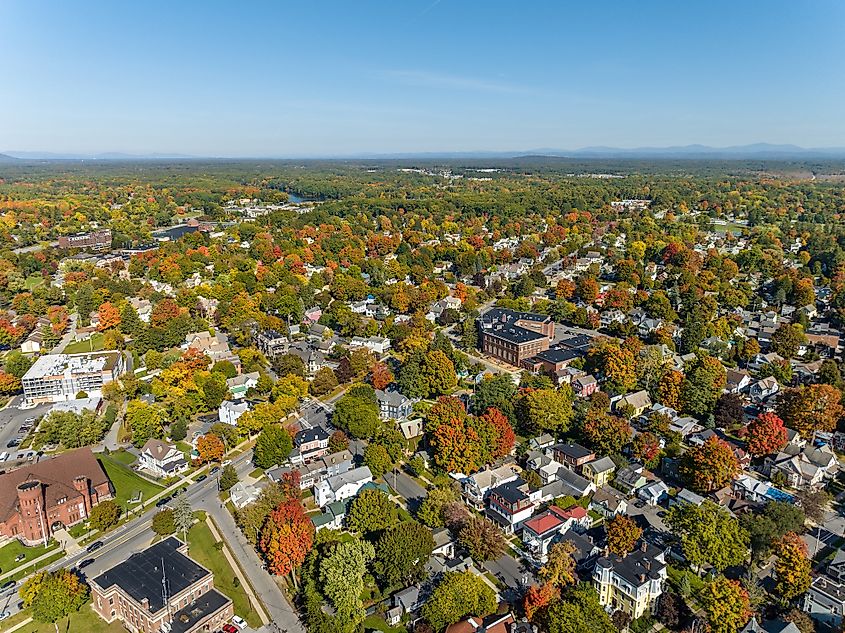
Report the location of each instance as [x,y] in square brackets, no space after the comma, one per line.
[761,151]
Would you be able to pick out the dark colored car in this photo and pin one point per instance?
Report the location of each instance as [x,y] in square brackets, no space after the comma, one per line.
[94,546]
[214,470]
[202,478]
[85,563]
[8,585]
[162,501]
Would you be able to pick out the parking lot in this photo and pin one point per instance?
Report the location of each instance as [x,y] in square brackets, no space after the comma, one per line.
[12,418]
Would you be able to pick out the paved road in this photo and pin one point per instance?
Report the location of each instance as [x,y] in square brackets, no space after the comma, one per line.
[68,336]
[512,573]
[405,485]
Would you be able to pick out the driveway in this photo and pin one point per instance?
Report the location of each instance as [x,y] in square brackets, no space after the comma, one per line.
[515,576]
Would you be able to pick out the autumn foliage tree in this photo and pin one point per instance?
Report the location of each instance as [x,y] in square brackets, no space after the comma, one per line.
[109,317]
[381,376]
[709,467]
[286,538]
[792,567]
[646,448]
[622,534]
[504,436]
[766,434]
[559,570]
[164,311]
[810,408]
[607,434]
[538,598]
[210,448]
[726,604]
[669,389]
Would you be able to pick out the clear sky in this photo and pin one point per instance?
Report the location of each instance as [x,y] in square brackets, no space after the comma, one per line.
[309,78]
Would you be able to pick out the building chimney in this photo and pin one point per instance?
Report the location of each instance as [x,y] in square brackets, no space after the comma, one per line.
[643,547]
[81,485]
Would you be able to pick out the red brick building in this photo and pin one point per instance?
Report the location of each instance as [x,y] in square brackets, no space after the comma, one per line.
[161,589]
[60,492]
[514,336]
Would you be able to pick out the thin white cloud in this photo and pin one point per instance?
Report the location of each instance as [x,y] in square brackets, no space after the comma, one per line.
[428,79]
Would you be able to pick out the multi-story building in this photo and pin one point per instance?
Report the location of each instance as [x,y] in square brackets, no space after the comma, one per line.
[632,583]
[54,494]
[95,241]
[510,505]
[512,336]
[161,589]
[58,377]
[573,455]
[393,405]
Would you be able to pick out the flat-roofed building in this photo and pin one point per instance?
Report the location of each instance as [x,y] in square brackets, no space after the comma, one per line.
[59,377]
[513,336]
[161,589]
[95,240]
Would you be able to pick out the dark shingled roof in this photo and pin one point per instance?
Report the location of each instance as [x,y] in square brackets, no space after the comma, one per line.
[56,474]
[140,575]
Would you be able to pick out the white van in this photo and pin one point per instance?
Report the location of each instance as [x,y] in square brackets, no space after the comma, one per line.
[4,456]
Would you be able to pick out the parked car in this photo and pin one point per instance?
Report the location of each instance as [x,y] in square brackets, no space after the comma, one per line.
[162,501]
[214,470]
[85,563]
[94,546]
[5,614]
[202,478]
[229,628]
[20,557]
[8,585]
[239,622]
[13,443]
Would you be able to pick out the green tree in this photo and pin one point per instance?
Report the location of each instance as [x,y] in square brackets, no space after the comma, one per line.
[709,535]
[704,380]
[183,516]
[342,576]
[456,596]
[272,447]
[378,459]
[54,595]
[546,410]
[145,420]
[163,522]
[324,381]
[371,511]
[402,553]
[104,515]
[228,477]
[577,611]
[356,416]
[430,511]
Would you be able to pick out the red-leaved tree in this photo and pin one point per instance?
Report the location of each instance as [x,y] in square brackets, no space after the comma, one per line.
[766,435]
[504,435]
[286,538]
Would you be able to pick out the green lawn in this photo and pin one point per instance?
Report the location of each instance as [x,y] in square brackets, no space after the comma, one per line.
[124,457]
[83,620]
[58,555]
[33,281]
[127,483]
[10,551]
[375,623]
[94,344]
[201,549]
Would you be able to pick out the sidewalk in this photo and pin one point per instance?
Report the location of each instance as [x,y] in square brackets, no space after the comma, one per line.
[256,603]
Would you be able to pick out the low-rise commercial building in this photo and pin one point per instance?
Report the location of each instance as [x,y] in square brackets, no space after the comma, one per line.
[161,589]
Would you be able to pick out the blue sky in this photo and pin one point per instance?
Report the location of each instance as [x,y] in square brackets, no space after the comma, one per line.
[343,78]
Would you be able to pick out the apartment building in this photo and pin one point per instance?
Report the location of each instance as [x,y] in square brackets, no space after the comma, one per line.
[512,336]
[632,583]
[59,377]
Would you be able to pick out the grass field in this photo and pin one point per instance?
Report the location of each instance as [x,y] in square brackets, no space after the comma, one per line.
[127,483]
[33,281]
[59,554]
[124,457]
[10,551]
[94,344]
[83,620]
[201,549]
[375,623]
